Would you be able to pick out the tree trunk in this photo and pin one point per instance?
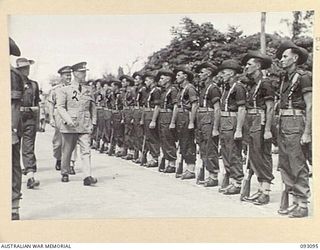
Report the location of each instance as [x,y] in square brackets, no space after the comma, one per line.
[263,33]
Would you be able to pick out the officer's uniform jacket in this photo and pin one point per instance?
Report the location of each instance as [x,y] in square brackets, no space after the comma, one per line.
[76,106]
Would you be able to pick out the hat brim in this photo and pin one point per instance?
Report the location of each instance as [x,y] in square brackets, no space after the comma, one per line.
[26,64]
[189,73]
[302,53]
[163,73]
[212,68]
[266,62]
[237,69]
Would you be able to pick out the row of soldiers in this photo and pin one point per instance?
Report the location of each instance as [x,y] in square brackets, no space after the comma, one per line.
[228,107]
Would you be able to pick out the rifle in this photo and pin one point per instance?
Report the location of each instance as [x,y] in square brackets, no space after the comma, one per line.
[180,166]
[144,154]
[111,142]
[162,164]
[200,177]
[246,185]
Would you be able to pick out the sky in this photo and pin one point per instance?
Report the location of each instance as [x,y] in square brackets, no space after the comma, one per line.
[106,42]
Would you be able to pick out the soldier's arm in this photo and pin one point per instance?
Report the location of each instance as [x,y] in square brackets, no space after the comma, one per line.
[193,98]
[157,100]
[192,114]
[269,101]
[306,137]
[61,107]
[241,101]
[215,96]
[174,116]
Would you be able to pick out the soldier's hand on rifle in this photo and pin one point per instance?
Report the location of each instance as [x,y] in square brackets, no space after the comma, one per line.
[305,139]
[267,135]
[215,133]
[152,125]
[191,126]
[132,120]
[141,122]
[238,135]
[122,121]
[172,126]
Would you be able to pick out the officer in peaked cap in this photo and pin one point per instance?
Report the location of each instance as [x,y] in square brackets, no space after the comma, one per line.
[294,128]
[208,120]
[260,109]
[233,113]
[30,120]
[65,79]
[76,107]
[17,88]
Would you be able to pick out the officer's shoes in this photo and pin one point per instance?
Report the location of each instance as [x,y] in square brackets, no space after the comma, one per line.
[88,181]
[71,171]
[263,199]
[210,182]
[65,178]
[138,160]
[232,189]
[15,216]
[32,183]
[178,175]
[299,212]
[58,165]
[118,154]
[169,169]
[188,175]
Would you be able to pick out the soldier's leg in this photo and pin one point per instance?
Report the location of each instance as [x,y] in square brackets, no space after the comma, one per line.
[69,141]
[212,156]
[56,144]
[16,181]
[28,142]
[167,141]
[225,137]
[85,154]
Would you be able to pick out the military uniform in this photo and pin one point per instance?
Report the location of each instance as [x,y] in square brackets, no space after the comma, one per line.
[208,145]
[233,96]
[168,138]
[118,127]
[152,135]
[186,97]
[292,161]
[138,131]
[17,88]
[75,104]
[30,123]
[128,111]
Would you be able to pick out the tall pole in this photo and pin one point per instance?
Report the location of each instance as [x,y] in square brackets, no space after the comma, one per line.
[263,33]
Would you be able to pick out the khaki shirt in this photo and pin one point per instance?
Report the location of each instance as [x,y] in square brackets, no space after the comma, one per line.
[76,106]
